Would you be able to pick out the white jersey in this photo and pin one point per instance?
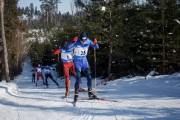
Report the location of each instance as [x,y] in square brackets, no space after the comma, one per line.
[66,55]
[39,70]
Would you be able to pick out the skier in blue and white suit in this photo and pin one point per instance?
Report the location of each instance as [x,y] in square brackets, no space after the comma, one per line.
[81,63]
[47,71]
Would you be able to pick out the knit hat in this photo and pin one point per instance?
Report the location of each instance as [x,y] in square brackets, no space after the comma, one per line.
[83,36]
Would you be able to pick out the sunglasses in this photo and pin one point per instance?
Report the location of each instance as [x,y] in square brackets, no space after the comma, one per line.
[83,39]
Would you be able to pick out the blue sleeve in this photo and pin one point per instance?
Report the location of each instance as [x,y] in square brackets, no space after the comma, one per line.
[69,46]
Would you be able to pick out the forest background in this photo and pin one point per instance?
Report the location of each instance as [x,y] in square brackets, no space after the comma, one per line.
[134,37]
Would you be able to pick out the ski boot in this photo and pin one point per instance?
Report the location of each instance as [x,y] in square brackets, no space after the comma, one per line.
[36,84]
[75,99]
[67,94]
[91,95]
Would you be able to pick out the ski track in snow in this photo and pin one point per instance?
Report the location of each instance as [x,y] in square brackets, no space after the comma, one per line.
[138,98]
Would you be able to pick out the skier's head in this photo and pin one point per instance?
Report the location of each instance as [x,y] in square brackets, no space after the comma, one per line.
[39,65]
[83,37]
[75,39]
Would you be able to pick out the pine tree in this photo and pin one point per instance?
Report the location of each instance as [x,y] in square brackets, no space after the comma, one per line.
[14,37]
[4,42]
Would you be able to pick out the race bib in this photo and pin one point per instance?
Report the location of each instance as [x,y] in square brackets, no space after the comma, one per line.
[66,56]
[38,70]
[80,51]
[47,71]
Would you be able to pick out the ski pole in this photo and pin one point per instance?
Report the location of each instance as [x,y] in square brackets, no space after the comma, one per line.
[95,69]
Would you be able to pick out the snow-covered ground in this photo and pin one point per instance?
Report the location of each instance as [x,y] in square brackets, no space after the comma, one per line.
[156,98]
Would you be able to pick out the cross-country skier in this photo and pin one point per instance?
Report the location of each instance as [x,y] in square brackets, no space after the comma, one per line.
[33,75]
[47,71]
[81,62]
[39,74]
[68,65]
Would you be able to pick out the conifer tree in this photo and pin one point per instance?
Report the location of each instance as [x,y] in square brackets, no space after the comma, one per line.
[5,58]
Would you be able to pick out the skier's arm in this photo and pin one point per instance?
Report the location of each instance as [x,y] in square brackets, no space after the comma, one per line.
[52,68]
[94,44]
[69,46]
[57,51]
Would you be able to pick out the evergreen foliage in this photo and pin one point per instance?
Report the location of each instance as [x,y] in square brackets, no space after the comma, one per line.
[15,43]
[143,35]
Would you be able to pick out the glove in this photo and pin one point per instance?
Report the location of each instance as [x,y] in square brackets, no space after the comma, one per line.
[57,51]
[75,39]
[95,41]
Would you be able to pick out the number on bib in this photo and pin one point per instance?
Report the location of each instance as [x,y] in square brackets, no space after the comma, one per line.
[79,51]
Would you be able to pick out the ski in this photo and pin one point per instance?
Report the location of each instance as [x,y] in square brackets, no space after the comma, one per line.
[63,97]
[98,91]
[83,90]
[94,91]
[100,99]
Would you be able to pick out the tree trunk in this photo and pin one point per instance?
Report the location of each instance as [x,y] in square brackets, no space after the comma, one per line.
[110,47]
[1,59]
[47,15]
[4,42]
[163,41]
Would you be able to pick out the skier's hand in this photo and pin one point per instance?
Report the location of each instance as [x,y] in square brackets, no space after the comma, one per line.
[57,51]
[95,41]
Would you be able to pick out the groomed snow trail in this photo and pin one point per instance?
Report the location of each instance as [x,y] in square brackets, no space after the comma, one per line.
[139,99]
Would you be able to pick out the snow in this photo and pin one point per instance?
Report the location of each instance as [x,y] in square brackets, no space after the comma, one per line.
[155,98]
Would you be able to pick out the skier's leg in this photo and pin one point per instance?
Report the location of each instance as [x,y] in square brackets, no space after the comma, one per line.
[78,77]
[89,83]
[73,72]
[67,78]
[67,86]
[89,79]
[37,79]
[53,80]
[46,82]
[34,78]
